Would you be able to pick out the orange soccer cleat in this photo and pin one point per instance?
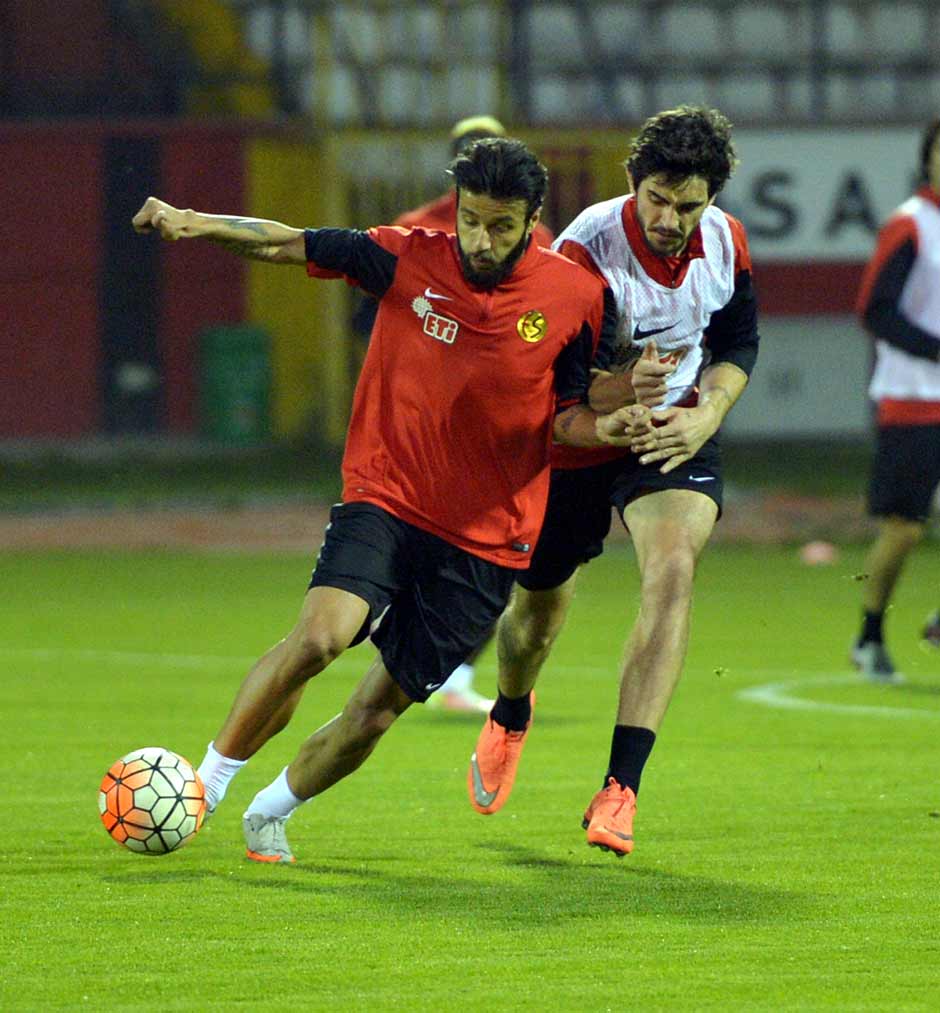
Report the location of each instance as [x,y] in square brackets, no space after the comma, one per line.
[493,766]
[609,819]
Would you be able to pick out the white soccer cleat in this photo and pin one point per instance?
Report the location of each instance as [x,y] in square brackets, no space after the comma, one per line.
[873,661]
[265,838]
[467,701]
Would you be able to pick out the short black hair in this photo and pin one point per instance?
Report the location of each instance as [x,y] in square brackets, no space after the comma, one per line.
[682,142]
[926,146]
[503,168]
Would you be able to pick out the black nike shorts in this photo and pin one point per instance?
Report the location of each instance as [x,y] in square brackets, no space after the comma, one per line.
[579,508]
[905,472]
[431,604]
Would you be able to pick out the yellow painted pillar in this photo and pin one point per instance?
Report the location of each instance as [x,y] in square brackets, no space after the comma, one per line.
[293,181]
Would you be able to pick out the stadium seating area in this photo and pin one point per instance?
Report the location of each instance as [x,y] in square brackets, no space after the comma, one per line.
[416,63]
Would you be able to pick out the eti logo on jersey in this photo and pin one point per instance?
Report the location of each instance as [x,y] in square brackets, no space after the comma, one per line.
[438,327]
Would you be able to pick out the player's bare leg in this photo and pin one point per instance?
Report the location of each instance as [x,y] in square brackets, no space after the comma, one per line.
[897,536]
[268,697]
[343,744]
[669,530]
[525,634]
[330,754]
[329,620]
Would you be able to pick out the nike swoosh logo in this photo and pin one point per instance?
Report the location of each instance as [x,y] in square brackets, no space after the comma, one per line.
[482,797]
[701,478]
[428,294]
[639,334]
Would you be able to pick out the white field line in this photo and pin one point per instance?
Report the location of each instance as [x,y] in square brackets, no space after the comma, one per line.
[782,694]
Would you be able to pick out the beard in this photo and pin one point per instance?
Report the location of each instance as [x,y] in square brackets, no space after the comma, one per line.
[670,244]
[492,275]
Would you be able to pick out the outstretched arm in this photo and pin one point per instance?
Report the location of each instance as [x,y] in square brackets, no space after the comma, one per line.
[255,238]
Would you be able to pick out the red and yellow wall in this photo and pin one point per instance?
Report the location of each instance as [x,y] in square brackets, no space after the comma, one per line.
[80,291]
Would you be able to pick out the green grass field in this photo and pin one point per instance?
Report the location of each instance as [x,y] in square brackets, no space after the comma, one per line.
[788,851]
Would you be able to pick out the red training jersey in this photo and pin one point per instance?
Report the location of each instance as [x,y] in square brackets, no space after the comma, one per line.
[452,418]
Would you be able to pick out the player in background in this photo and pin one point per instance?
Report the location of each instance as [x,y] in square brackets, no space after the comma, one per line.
[899,304]
[680,272]
[480,339]
[441,213]
[458,693]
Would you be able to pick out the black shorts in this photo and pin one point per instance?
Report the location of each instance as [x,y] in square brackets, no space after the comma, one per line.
[579,503]
[430,603]
[905,472]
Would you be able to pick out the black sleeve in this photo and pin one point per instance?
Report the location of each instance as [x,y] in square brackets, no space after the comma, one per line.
[353,253]
[573,369]
[607,343]
[363,317]
[731,334]
[882,315]
[573,366]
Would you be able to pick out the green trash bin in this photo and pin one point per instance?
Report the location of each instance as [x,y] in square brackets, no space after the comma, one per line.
[235,384]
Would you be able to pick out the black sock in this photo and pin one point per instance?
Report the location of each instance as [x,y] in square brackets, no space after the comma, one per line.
[512,713]
[871,627]
[629,750]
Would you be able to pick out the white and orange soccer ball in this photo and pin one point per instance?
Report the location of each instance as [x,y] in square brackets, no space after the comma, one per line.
[152,801]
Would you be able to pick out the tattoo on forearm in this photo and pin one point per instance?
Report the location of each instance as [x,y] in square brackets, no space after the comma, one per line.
[567,421]
[253,251]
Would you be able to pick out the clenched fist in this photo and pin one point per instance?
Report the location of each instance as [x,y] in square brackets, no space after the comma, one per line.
[158,216]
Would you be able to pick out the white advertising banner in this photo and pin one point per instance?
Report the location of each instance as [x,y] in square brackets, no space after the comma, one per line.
[819,195]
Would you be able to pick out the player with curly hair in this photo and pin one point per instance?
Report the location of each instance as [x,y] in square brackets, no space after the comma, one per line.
[680,273]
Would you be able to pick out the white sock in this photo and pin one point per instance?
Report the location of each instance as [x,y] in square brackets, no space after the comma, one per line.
[275,800]
[460,679]
[217,772]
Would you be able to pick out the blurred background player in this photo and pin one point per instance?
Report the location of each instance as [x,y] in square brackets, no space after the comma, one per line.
[458,693]
[680,272]
[899,303]
[441,213]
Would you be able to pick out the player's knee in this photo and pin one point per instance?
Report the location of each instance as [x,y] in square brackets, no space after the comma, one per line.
[669,576]
[531,630]
[904,531]
[313,649]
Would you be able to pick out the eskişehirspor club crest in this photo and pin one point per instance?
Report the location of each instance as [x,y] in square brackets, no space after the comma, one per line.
[532,326]
[442,328]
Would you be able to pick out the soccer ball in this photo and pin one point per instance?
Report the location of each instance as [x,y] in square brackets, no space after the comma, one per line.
[152,801]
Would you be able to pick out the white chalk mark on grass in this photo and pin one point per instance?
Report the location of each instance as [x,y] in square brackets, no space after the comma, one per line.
[783,695]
